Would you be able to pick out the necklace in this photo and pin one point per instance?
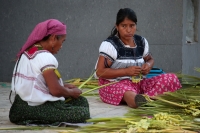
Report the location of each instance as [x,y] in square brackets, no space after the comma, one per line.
[127,45]
[39,46]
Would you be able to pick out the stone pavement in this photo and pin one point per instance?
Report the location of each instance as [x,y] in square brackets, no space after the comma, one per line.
[97,109]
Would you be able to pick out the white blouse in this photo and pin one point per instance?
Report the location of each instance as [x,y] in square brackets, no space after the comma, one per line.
[28,81]
[109,49]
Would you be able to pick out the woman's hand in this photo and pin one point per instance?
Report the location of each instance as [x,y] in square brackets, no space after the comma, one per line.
[75,92]
[133,70]
[70,86]
[146,68]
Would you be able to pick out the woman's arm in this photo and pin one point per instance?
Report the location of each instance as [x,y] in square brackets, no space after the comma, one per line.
[56,89]
[109,73]
[149,62]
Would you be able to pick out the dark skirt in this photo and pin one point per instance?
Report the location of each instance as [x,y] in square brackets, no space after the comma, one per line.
[73,111]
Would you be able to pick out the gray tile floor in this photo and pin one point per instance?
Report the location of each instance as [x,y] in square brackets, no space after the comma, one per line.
[98,109]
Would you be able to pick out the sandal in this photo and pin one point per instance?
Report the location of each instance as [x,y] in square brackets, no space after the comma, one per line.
[140,100]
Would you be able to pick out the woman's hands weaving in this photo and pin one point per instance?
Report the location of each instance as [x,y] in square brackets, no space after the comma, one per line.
[133,70]
[145,68]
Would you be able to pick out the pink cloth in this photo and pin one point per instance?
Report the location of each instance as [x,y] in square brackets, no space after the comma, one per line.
[48,27]
[114,93]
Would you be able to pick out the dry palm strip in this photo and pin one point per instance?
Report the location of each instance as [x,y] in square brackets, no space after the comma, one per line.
[137,79]
[90,83]
[89,86]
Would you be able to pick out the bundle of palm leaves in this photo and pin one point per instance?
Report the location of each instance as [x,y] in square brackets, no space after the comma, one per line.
[170,112]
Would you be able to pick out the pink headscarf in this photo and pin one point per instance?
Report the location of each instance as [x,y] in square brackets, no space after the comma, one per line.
[48,27]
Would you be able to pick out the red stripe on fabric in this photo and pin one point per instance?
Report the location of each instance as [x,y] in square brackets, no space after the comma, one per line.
[24,77]
[40,89]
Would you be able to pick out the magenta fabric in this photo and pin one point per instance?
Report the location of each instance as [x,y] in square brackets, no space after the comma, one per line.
[114,93]
[48,27]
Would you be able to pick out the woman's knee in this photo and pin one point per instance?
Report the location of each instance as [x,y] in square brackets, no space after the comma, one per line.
[129,98]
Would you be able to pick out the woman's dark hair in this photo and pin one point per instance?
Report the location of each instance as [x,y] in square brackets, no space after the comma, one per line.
[121,15]
[47,37]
